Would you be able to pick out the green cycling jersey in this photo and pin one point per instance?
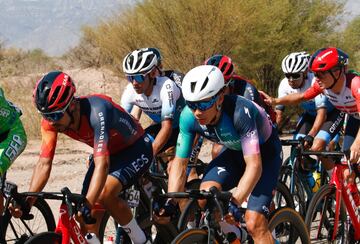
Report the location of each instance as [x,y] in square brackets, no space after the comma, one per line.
[12,134]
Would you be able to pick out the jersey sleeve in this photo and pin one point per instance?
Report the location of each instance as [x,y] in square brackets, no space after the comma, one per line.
[245,124]
[169,94]
[321,101]
[186,135]
[251,93]
[355,89]
[48,140]
[126,99]
[100,119]
[312,91]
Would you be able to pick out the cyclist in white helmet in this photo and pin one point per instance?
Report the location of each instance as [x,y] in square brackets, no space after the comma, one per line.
[251,156]
[157,96]
[320,122]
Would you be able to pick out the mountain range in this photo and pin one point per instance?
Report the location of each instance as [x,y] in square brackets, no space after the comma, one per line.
[52,25]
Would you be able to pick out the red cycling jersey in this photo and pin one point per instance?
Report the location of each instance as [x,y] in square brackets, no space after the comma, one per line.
[104,125]
[348,100]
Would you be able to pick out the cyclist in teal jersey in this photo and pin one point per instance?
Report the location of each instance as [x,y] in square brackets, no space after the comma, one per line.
[12,137]
[250,160]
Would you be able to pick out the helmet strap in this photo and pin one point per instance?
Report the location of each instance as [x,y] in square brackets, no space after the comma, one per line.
[335,79]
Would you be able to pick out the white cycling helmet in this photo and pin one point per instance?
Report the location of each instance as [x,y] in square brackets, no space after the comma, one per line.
[140,61]
[202,82]
[295,62]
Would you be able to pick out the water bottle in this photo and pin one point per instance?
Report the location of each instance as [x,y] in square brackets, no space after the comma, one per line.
[317,181]
[92,239]
[309,179]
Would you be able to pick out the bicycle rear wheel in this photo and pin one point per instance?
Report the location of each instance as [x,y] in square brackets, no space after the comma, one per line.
[49,237]
[18,230]
[287,226]
[320,217]
[196,236]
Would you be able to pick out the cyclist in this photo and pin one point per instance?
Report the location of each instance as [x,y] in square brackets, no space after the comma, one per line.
[237,85]
[251,158]
[158,96]
[320,122]
[12,138]
[122,152]
[341,87]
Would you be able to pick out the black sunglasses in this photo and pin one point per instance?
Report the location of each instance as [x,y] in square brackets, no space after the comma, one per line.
[294,76]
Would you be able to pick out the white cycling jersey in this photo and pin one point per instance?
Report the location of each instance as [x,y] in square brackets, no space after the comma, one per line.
[310,106]
[165,101]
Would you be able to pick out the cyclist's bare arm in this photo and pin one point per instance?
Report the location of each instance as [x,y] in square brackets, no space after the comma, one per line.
[251,176]
[290,99]
[321,115]
[136,112]
[177,174]
[163,136]
[98,179]
[355,149]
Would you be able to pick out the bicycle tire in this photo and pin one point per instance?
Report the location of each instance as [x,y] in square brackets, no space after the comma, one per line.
[325,192]
[18,230]
[194,236]
[298,195]
[297,229]
[48,237]
[284,192]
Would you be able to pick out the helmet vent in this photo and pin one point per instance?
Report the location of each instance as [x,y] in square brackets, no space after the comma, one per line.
[55,95]
[205,83]
[193,84]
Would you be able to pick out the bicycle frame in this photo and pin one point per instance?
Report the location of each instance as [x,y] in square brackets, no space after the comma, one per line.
[68,228]
[342,192]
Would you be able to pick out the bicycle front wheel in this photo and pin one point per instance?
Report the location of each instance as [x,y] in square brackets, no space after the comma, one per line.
[18,230]
[287,226]
[196,236]
[49,237]
[320,217]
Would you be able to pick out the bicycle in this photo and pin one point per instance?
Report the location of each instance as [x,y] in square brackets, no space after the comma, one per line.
[292,174]
[283,221]
[35,220]
[329,205]
[67,228]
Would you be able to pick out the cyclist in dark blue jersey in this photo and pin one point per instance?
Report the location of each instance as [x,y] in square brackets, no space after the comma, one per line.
[122,152]
[251,158]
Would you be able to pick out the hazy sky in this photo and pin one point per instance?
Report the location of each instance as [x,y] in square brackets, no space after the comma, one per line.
[54,25]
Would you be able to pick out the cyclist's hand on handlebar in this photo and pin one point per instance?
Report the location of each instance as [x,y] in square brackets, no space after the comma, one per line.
[234,214]
[308,141]
[16,210]
[355,152]
[165,211]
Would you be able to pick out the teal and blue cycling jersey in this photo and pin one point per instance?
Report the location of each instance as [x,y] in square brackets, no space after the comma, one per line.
[243,125]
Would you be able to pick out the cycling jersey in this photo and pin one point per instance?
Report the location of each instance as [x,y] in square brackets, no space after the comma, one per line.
[348,100]
[243,125]
[104,125]
[244,129]
[174,75]
[12,134]
[243,87]
[165,101]
[309,106]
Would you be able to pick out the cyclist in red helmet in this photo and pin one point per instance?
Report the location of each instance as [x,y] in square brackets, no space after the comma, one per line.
[330,67]
[238,85]
[122,151]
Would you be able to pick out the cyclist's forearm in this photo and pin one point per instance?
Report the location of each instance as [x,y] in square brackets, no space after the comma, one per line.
[98,179]
[251,176]
[177,175]
[290,99]
[162,137]
[40,174]
[319,121]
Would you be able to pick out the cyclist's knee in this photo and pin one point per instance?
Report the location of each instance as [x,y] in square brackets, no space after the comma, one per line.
[256,223]
[206,186]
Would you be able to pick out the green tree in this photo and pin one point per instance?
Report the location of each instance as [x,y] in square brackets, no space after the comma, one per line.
[351,42]
[257,34]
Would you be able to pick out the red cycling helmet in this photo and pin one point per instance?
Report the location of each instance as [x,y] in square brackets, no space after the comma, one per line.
[327,58]
[224,63]
[53,92]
